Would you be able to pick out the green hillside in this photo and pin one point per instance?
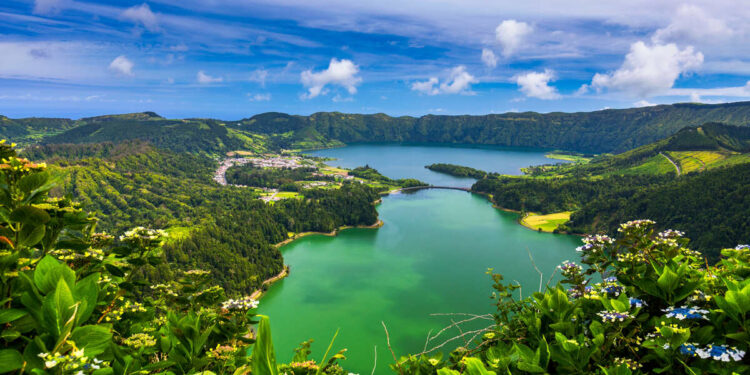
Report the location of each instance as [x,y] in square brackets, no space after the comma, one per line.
[188,135]
[707,200]
[612,130]
[26,131]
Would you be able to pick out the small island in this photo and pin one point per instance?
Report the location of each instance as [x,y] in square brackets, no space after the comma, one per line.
[457,170]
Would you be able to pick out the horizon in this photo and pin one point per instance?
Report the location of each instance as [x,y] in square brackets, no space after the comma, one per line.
[367,114]
[232,58]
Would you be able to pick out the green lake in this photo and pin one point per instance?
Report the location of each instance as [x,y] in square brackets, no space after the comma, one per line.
[430,256]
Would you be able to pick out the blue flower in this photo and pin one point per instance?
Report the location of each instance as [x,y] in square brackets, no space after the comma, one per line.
[721,353]
[684,312]
[637,302]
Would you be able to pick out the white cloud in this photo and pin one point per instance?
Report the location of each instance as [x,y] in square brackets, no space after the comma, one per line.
[536,85]
[692,24]
[142,14]
[695,97]
[204,78]
[510,34]
[426,87]
[488,58]
[48,7]
[121,65]
[341,99]
[339,72]
[259,97]
[259,75]
[648,70]
[643,103]
[459,82]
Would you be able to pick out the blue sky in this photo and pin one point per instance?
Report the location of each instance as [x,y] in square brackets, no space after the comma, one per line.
[231,59]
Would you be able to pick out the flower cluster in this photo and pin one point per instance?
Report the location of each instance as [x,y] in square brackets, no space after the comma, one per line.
[635,224]
[636,302]
[141,233]
[570,269]
[627,362]
[244,303]
[716,352]
[742,247]
[164,289]
[140,340]
[610,287]
[127,307]
[595,243]
[75,362]
[613,316]
[304,367]
[70,255]
[222,352]
[684,312]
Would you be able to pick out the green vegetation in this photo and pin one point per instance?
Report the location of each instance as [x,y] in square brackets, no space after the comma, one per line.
[384,183]
[457,170]
[574,157]
[612,130]
[275,178]
[640,304]
[232,233]
[704,202]
[75,301]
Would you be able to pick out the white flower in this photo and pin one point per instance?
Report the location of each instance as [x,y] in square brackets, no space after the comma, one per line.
[50,364]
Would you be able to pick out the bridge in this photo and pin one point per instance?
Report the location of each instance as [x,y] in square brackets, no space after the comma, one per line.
[435,187]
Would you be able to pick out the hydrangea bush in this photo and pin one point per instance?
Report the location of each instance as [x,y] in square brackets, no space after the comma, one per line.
[640,303]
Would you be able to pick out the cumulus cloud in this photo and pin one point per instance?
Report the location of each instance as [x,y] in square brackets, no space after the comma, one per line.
[510,34]
[692,24]
[204,78]
[259,76]
[489,58]
[48,7]
[459,82]
[121,65]
[643,103]
[339,72]
[259,97]
[536,85]
[142,15]
[648,70]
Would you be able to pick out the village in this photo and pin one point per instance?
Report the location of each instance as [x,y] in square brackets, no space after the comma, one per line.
[283,162]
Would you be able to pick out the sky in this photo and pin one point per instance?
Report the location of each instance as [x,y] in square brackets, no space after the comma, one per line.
[231,59]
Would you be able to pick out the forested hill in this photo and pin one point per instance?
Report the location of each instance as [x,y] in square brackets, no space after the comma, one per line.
[611,130]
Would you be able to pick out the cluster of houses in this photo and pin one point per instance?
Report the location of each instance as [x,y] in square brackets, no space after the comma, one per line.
[274,162]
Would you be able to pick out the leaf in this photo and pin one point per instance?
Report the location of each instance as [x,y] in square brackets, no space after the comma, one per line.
[30,215]
[10,360]
[31,235]
[114,270]
[86,292]
[92,338]
[31,182]
[9,315]
[49,271]
[475,367]
[264,357]
[57,310]
[668,280]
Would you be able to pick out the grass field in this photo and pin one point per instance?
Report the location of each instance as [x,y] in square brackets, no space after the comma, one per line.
[656,164]
[567,156]
[696,160]
[547,223]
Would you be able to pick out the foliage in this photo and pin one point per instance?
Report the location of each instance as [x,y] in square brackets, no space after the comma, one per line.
[75,301]
[641,303]
[457,170]
[612,130]
[231,232]
[274,178]
[372,174]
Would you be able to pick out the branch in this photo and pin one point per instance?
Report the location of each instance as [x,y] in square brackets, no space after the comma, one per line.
[388,341]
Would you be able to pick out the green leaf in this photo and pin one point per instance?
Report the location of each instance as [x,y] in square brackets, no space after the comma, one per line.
[31,182]
[114,270]
[264,357]
[31,235]
[10,360]
[49,271]
[92,338]
[9,315]
[447,371]
[668,280]
[58,308]
[86,292]
[30,215]
[475,367]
